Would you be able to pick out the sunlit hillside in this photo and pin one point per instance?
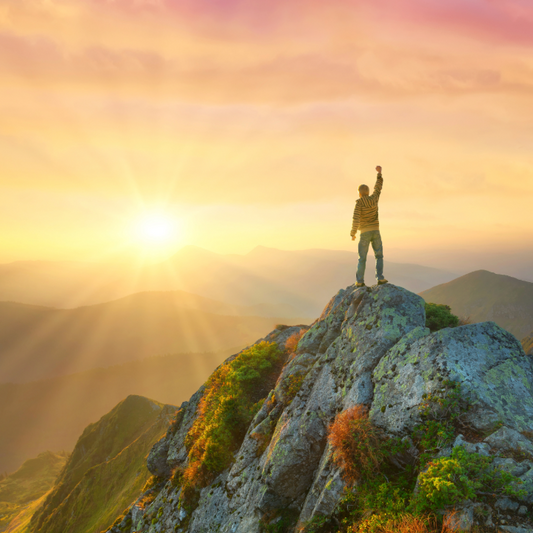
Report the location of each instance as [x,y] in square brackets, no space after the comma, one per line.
[29,483]
[52,413]
[106,470]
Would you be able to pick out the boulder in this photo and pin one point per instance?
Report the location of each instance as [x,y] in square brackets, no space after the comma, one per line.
[496,377]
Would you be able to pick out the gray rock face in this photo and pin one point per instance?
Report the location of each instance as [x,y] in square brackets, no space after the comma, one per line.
[495,374]
[505,504]
[480,448]
[370,346]
[509,440]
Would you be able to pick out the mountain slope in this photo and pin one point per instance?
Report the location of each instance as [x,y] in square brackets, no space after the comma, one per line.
[483,295]
[28,484]
[39,342]
[52,413]
[105,470]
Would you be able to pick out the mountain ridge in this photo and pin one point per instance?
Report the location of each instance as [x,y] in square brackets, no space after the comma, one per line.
[28,484]
[107,456]
[482,295]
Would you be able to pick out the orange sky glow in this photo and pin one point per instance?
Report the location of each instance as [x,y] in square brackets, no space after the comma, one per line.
[253,123]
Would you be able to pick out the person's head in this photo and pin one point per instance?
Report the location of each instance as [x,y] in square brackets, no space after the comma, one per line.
[363,190]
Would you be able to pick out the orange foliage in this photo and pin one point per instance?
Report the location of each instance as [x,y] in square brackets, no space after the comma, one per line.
[292,342]
[409,523]
[355,443]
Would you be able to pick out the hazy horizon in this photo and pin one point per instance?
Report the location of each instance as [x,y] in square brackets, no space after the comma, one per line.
[517,264]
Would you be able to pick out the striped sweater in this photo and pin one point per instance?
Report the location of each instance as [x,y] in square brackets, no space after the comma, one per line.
[365,215]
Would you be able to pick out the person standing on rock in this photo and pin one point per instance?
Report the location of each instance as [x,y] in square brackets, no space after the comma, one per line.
[365,219]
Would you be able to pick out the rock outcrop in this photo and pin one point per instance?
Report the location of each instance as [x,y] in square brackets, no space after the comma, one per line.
[371,347]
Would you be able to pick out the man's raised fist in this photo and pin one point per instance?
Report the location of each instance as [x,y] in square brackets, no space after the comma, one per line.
[378,168]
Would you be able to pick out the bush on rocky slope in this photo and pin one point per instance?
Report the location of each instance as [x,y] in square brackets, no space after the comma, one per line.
[439,316]
[233,395]
[404,482]
[355,443]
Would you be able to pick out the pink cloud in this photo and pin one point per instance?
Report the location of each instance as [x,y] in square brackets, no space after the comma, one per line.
[282,78]
[500,21]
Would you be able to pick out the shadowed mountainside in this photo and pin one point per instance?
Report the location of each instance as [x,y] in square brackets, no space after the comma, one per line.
[52,413]
[298,282]
[39,342]
[483,295]
[28,484]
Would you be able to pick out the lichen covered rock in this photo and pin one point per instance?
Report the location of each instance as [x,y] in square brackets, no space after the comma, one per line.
[495,375]
[371,347]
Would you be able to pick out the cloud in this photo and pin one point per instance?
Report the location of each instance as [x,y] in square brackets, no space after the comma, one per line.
[230,51]
[368,75]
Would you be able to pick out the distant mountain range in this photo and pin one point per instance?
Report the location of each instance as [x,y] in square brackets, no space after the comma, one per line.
[299,282]
[51,414]
[39,342]
[483,295]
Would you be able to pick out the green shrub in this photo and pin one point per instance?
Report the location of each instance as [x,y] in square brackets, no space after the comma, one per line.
[449,480]
[233,395]
[293,385]
[384,499]
[440,412]
[439,316]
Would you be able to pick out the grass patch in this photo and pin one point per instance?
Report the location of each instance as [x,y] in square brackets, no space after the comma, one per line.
[234,393]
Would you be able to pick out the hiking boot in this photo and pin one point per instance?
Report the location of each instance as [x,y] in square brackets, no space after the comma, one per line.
[360,284]
[382,281]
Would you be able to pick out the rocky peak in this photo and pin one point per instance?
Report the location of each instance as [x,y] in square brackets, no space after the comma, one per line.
[370,346]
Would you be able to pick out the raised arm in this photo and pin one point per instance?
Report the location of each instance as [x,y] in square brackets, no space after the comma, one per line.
[379,184]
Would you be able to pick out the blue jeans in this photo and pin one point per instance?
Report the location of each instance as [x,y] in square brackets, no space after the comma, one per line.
[365,239]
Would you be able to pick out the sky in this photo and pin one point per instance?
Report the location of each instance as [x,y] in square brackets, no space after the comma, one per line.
[234,124]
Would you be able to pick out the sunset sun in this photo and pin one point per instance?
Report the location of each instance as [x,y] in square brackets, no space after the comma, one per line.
[156,231]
